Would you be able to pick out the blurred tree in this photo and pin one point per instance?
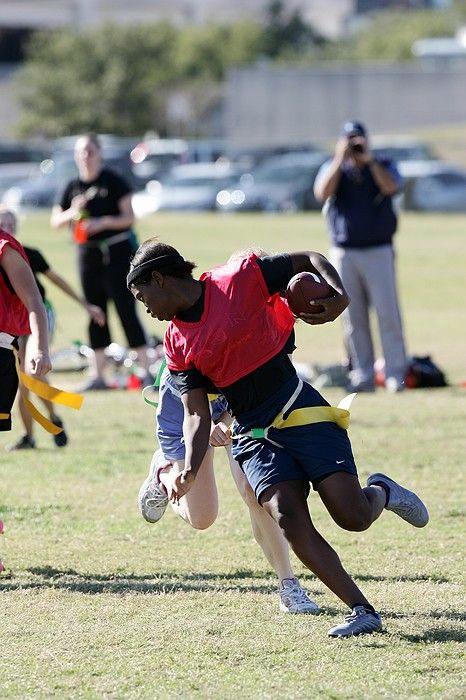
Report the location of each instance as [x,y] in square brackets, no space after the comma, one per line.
[460,9]
[106,80]
[210,50]
[118,79]
[121,79]
[390,35]
[286,33]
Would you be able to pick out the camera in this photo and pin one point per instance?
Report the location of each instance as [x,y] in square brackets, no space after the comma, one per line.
[356,147]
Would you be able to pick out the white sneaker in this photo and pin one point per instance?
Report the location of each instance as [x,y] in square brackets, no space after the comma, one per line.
[294,599]
[401,501]
[359,622]
[394,385]
[152,498]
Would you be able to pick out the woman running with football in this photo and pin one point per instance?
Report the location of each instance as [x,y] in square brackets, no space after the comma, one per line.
[230,329]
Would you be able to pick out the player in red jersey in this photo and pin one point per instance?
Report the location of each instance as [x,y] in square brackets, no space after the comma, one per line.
[21,313]
[231,329]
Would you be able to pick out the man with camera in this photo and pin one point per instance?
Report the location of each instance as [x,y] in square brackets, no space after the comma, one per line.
[358,190]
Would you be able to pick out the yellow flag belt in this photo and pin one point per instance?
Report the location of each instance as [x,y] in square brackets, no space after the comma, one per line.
[305,416]
[45,391]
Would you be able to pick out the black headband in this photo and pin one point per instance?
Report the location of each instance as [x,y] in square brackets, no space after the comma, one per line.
[153,264]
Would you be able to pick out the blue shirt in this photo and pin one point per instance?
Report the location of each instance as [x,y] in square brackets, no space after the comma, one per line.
[359,215]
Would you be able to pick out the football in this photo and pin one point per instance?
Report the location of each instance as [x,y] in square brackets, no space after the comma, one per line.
[304,288]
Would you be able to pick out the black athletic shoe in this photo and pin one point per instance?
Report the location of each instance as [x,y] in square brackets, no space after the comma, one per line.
[96,384]
[61,439]
[24,443]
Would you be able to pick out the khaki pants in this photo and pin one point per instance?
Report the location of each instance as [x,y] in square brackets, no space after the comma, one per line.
[368,275]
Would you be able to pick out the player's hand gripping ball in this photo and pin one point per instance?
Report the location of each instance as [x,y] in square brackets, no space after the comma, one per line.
[304,288]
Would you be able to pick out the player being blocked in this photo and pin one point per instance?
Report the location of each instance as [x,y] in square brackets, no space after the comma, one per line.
[199,507]
[231,329]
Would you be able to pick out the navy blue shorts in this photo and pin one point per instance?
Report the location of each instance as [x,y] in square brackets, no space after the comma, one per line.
[307,453]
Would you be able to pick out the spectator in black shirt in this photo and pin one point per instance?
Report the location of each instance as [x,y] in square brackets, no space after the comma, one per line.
[97,206]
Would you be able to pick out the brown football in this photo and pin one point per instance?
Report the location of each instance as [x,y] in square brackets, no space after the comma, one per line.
[304,288]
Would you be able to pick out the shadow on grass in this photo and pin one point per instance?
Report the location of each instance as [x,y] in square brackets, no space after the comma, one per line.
[436,615]
[241,580]
[435,635]
[449,614]
[434,578]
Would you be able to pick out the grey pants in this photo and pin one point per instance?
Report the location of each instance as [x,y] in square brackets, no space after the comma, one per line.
[368,275]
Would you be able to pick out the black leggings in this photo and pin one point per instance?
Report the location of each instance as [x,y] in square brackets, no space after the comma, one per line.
[8,386]
[103,278]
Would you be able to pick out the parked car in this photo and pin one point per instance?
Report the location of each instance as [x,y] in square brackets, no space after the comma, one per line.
[279,184]
[55,172]
[402,148]
[22,152]
[250,157]
[433,186]
[12,173]
[154,158]
[186,188]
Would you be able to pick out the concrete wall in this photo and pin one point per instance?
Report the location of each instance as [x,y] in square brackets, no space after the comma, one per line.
[266,104]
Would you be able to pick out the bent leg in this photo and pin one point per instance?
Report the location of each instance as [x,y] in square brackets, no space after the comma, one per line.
[199,507]
[266,531]
[293,598]
[286,503]
[351,507]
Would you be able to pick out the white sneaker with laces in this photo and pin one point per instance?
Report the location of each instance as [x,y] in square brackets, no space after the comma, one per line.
[152,498]
[359,622]
[401,501]
[294,599]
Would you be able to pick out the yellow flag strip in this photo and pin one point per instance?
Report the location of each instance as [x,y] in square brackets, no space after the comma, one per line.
[45,391]
[317,414]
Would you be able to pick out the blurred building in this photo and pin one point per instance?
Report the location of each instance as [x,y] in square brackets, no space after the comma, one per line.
[271,103]
[329,17]
[362,6]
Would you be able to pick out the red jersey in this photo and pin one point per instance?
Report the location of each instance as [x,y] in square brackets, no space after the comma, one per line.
[242,326]
[14,317]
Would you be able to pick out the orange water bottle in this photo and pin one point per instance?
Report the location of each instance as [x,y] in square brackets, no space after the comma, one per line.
[79,227]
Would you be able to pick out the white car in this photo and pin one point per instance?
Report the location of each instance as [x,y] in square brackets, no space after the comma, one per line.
[192,187]
[401,148]
[433,186]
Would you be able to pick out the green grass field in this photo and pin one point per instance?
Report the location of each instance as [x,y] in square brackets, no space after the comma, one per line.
[98,604]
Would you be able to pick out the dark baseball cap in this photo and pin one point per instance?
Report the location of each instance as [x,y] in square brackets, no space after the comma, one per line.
[353,129]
